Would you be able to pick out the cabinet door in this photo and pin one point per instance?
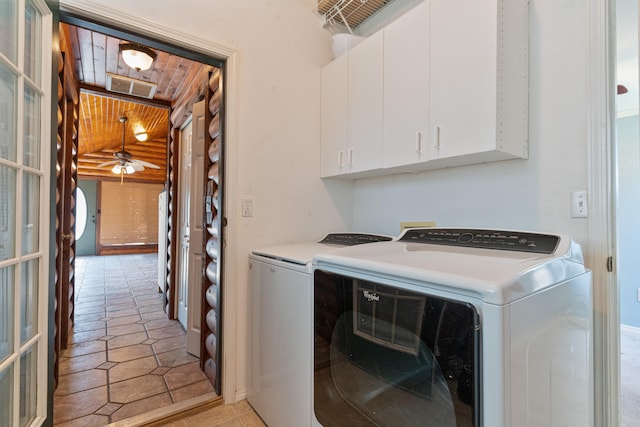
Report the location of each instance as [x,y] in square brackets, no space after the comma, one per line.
[406,89]
[364,128]
[463,77]
[333,112]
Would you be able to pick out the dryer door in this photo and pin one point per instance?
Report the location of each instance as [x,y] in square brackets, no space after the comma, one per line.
[392,357]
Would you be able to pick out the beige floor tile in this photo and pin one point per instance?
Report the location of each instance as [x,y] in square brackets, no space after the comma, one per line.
[167,332]
[175,358]
[151,308]
[80,381]
[88,421]
[78,337]
[127,340]
[82,363]
[137,388]
[184,375]
[89,326]
[252,420]
[160,323]
[78,405]
[131,352]
[192,390]
[86,347]
[109,408]
[123,313]
[154,315]
[124,320]
[125,329]
[141,406]
[168,344]
[133,368]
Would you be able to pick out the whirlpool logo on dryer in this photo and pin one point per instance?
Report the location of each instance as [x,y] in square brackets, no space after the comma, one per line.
[370,296]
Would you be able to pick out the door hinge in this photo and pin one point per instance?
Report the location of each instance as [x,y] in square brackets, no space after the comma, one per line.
[610,264]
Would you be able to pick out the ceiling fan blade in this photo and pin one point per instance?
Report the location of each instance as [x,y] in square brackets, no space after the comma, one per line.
[111,162]
[136,165]
[147,164]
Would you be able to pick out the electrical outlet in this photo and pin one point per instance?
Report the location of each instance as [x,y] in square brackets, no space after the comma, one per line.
[247,208]
[578,204]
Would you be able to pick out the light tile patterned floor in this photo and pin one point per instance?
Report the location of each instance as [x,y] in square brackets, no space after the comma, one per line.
[236,415]
[125,357]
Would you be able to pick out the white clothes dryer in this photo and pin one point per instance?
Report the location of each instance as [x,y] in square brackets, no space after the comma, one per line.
[460,327]
[281,330]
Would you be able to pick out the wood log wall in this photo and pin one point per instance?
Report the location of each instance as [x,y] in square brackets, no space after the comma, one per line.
[173,228]
[59,162]
[210,346]
[66,182]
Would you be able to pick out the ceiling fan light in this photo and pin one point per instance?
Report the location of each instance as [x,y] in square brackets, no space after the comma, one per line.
[120,169]
[141,136]
[136,56]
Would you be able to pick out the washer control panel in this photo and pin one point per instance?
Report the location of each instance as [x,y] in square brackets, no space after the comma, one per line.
[352,239]
[484,239]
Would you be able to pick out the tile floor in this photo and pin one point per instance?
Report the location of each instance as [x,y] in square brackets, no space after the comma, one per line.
[237,415]
[630,376]
[125,357]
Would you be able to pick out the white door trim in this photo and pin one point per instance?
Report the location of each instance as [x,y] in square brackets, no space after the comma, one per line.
[87,9]
[601,172]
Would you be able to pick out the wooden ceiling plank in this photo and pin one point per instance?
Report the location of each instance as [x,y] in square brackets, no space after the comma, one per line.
[85,42]
[100,58]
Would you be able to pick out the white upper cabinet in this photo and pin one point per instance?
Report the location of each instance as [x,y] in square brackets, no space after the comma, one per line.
[351,129]
[334,117]
[478,81]
[406,89]
[444,85]
[364,112]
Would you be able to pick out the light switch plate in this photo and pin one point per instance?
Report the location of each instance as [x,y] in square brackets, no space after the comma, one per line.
[578,204]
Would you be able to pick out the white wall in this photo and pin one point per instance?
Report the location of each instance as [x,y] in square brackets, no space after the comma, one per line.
[274,153]
[274,118]
[528,194]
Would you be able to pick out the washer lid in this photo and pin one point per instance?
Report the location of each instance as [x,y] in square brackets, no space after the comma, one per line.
[302,253]
[497,276]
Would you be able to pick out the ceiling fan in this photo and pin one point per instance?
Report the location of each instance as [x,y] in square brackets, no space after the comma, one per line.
[124,164]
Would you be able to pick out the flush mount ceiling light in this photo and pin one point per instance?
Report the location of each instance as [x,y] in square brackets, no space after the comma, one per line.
[141,136]
[137,57]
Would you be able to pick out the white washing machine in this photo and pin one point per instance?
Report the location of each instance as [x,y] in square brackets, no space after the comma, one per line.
[461,327]
[281,330]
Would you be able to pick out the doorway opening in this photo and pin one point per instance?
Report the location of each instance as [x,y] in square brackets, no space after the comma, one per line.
[627,125]
[203,82]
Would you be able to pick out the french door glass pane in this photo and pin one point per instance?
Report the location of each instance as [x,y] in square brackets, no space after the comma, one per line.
[30,213]
[8,90]
[31,128]
[6,391]
[32,39]
[28,300]
[28,386]
[8,28]
[7,212]
[6,312]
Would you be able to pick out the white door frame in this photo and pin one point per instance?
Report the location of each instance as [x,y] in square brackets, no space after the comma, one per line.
[156,31]
[601,172]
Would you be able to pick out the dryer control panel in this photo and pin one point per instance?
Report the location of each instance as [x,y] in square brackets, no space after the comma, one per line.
[352,239]
[484,239]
